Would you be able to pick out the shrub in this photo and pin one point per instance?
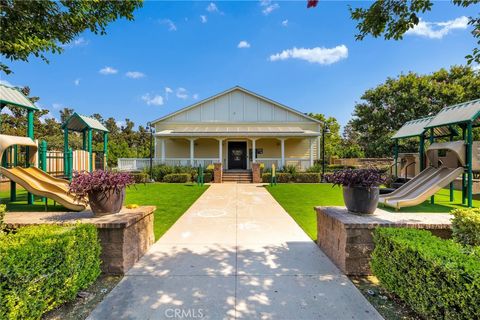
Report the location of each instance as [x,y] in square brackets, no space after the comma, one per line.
[207,177]
[333,167]
[140,177]
[466,226]
[308,177]
[317,167]
[42,267]
[436,277]
[290,169]
[158,172]
[177,178]
[3,209]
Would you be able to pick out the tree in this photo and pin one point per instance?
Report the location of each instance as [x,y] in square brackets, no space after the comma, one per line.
[37,27]
[393,18]
[387,107]
[333,138]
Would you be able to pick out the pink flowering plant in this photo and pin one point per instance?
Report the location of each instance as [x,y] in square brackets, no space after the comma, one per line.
[84,182]
[366,178]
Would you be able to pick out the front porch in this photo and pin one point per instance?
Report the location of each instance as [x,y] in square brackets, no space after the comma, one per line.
[234,153]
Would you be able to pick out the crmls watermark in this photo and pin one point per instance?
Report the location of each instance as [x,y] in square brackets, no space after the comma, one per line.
[179,313]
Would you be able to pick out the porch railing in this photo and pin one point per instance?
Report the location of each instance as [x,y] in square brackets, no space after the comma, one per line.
[300,163]
[140,164]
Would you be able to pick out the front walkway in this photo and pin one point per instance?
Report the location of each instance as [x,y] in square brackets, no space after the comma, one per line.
[235,254]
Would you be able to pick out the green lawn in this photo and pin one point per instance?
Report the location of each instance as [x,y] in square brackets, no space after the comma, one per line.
[171,200]
[299,199]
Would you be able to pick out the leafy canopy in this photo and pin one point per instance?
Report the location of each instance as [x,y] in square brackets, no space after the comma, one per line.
[37,27]
[385,108]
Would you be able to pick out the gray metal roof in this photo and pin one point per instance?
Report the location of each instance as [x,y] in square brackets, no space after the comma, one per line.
[12,96]
[413,128]
[79,123]
[463,112]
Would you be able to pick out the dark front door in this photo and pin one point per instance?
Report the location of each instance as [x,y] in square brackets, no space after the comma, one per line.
[237,155]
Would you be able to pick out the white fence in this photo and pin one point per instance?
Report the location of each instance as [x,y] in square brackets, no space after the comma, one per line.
[140,164]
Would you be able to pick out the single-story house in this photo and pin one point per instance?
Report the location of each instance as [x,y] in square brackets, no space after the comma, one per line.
[228,126]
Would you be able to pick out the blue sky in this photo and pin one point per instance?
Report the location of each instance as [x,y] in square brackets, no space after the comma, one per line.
[177,53]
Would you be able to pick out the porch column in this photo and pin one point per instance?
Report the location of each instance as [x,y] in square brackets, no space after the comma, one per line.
[254,153]
[192,151]
[163,150]
[282,147]
[220,150]
[311,151]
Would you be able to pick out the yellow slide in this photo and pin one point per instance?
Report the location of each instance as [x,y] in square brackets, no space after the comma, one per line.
[42,184]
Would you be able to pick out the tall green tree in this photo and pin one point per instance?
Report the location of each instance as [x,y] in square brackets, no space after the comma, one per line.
[41,26]
[384,109]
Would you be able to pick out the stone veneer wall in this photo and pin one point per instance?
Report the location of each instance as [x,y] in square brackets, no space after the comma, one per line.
[256,175]
[347,239]
[217,172]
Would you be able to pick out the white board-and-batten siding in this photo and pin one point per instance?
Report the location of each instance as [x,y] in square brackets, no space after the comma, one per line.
[236,106]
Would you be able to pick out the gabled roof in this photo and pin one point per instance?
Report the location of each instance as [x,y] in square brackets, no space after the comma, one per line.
[79,123]
[13,96]
[230,90]
[412,128]
[459,113]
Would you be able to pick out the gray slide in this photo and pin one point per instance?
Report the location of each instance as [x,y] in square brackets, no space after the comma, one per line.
[422,187]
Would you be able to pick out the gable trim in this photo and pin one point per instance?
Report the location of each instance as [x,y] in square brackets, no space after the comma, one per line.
[277,104]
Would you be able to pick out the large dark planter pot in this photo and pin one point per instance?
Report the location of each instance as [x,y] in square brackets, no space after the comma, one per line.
[360,199]
[106,201]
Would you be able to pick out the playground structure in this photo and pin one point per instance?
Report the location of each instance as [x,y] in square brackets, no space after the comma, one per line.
[442,162]
[21,167]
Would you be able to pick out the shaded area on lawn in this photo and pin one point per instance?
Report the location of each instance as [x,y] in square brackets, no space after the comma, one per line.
[171,200]
[299,199]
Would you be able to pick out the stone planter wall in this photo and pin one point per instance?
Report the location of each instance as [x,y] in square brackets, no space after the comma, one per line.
[347,240]
[124,237]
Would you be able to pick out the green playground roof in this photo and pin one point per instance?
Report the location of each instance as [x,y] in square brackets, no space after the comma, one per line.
[412,128]
[459,113]
[12,96]
[79,123]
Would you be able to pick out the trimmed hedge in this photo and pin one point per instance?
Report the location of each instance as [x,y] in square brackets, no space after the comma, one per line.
[303,177]
[140,177]
[436,278]
[466,226]
[42,267]
[177,178]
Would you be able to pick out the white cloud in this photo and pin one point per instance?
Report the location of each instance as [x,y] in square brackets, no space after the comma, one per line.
[195,96]
[203,19]
[49,115]
[135,74]
[318,55]
[57,106]
[155,100]
[77,81]
[268,6]
[79,42]
[169,23]
[212,7]
[182,93]
[285,23]
[438,30]
[476,67]
[168,91]
[108,70]
[243,44]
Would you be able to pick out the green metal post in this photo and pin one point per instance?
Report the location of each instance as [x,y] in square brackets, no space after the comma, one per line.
[396,157]
[13,185]
[452,197]
[65,152]
[84,140]
[90,153]
[70,163]
[464,177]
[43,159]
[200,176]
[432,198]
[422,152]
[105,149]
[469,164]
[30,134]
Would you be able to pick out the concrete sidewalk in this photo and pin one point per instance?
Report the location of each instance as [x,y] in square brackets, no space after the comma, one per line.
[235,254]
